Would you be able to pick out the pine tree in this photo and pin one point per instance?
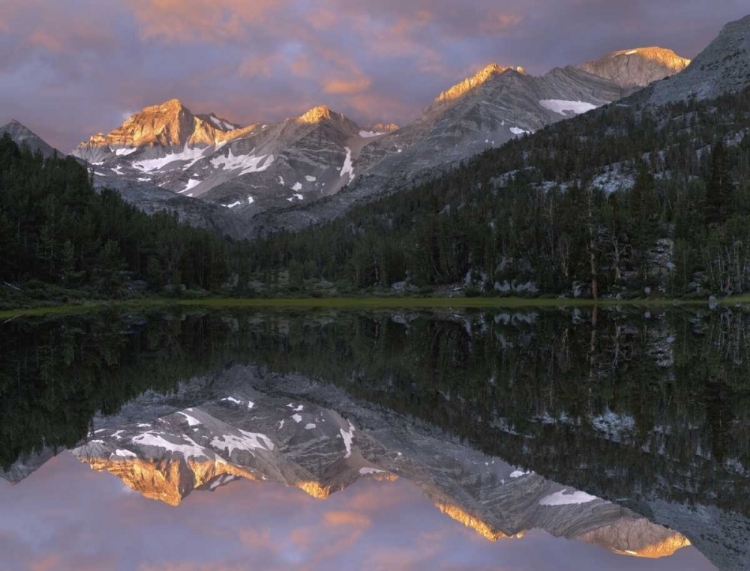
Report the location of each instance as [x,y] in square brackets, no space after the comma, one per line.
[719,187]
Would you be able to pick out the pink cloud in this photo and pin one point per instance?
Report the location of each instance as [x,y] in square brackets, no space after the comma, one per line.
[347,87]
[255,539]
[349,519]
[205,20]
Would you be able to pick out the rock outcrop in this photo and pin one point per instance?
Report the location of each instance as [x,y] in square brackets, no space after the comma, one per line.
[637,67]
[723,67]
[22,135]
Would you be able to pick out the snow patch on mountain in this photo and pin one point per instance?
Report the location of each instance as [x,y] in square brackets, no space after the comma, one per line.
[189,450]
[519,131]
[348,168]
[565,498]
[248,163]
[246,441]
[566,107]
[192,183]
[191,156]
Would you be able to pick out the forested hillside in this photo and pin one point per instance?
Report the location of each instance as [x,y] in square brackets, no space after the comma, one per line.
[55,229]
[619,200]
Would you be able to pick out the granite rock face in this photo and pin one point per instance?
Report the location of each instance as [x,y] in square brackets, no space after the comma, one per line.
[637,67]
[252,168]
[482,112]
[723,67]
[22,135]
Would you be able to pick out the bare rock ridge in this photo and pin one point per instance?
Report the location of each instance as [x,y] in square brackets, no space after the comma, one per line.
[470,83]
[467,125]
[480,113]
[637,67]
[22,135]
[380,128]
[300,161]
[255,167]
[249,434]
[723,67]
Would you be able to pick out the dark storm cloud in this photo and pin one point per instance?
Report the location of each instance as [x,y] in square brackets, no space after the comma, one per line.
[70,69]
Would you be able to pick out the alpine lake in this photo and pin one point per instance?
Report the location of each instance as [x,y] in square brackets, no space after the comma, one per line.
[372,438]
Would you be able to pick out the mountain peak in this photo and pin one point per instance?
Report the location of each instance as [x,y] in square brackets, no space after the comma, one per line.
[171,106]
[637,67]
[22,135]
[470,83]
[318,114]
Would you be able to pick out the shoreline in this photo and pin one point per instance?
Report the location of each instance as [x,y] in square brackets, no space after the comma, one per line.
[363,303]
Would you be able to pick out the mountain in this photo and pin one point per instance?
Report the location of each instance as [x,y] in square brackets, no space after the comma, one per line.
[480,113]
[379,129]
[253,168]
[283,175]
[637,67]
[723,67]
[250,434]
[24,136]
[147,197]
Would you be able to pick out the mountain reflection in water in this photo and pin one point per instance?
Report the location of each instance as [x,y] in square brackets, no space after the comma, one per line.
[507,422]
[66,517]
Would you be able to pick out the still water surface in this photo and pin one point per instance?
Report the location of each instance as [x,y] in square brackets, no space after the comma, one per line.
[533,440]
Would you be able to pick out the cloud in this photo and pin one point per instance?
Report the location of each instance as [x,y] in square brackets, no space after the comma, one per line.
[347,87]
[255,539]
[204,20]
[349,519]
[71,69]
[63,561]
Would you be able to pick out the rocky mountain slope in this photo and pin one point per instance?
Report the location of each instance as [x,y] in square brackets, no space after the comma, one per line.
[303,160]
[637,67]
[249,434]
[255,168]
[480,113]
[723,67]
[148,197]
[22,135]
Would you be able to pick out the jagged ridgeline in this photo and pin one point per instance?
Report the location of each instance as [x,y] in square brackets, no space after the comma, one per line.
[627,197]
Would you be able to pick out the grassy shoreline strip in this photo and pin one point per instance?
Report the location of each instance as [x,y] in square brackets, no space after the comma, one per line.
[360,302]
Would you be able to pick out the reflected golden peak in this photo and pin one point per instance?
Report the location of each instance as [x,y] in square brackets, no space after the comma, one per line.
[665,548]
[315,490]
[461,516]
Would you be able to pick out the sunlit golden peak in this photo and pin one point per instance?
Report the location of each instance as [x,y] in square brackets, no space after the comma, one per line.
[461,516]
[476,80]
[173,105]
[317,114]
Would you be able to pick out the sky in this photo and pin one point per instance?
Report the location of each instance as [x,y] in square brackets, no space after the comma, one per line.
[67,517]
[74,68]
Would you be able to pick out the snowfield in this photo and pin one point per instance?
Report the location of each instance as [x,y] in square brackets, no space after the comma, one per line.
[565,108]
[348,168]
